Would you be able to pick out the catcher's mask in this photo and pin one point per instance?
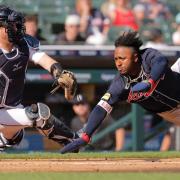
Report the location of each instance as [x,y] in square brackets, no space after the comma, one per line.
[13,22]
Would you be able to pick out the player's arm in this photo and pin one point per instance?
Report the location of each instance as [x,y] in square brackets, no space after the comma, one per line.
[158,64]
[98,114]
[46,62]
[94,121]
[63,78]
[37,56]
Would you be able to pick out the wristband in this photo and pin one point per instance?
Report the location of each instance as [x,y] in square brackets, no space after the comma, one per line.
[85,137]
[56,70]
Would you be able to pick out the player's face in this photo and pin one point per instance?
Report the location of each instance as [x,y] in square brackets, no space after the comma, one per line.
[125,60]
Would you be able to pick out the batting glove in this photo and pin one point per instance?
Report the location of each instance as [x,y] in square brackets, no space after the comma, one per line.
[76,144]
[143,86]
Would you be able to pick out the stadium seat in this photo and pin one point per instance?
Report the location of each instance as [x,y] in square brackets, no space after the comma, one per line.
[55,11]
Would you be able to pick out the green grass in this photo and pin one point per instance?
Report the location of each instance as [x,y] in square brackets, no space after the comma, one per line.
[90,176]
[110,155]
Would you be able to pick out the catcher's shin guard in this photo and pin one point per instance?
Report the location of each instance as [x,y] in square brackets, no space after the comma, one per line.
[48,124]
[56,130]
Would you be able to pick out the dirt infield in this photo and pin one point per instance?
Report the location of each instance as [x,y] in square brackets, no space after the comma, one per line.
[91,165]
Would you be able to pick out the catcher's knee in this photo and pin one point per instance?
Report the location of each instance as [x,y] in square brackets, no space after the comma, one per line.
[38,113]
[15,140]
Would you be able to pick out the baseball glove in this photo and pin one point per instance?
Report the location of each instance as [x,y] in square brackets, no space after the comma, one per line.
[67,81]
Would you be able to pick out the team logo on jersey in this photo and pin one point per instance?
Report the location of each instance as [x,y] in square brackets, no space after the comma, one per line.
[106,96]
[136,96]
[17,66]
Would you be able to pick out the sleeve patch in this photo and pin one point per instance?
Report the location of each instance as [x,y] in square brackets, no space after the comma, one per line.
[106,96]
[105,106]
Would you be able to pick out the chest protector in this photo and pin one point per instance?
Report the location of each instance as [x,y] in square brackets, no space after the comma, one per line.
[13,66]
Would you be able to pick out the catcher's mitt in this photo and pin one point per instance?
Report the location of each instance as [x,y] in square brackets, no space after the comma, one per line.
[67,81]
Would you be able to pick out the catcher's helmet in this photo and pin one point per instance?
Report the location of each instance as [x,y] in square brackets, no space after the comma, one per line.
[13,21]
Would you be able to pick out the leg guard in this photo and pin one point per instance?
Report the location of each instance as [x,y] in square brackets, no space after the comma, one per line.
[49,125]
[56,130]
[16,139]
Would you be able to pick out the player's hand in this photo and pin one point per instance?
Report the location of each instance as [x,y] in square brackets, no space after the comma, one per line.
[76,144]
[147,87]
[143,86]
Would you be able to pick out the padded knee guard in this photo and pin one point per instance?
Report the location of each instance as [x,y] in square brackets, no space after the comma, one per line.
[38,113]
[3,142]
[15,140]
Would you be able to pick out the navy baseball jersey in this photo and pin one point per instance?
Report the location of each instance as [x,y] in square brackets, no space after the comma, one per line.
[164,97]
[13,67]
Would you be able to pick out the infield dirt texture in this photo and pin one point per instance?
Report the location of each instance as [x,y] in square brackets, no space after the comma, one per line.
[91,162]
[100,165]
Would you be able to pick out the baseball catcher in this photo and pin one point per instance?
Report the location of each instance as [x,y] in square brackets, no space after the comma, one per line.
[16,49]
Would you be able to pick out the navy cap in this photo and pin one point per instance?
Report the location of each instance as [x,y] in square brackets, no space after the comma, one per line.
[79,99]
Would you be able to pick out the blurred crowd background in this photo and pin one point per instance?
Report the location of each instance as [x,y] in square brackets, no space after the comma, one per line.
[100,21]
[97,22]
